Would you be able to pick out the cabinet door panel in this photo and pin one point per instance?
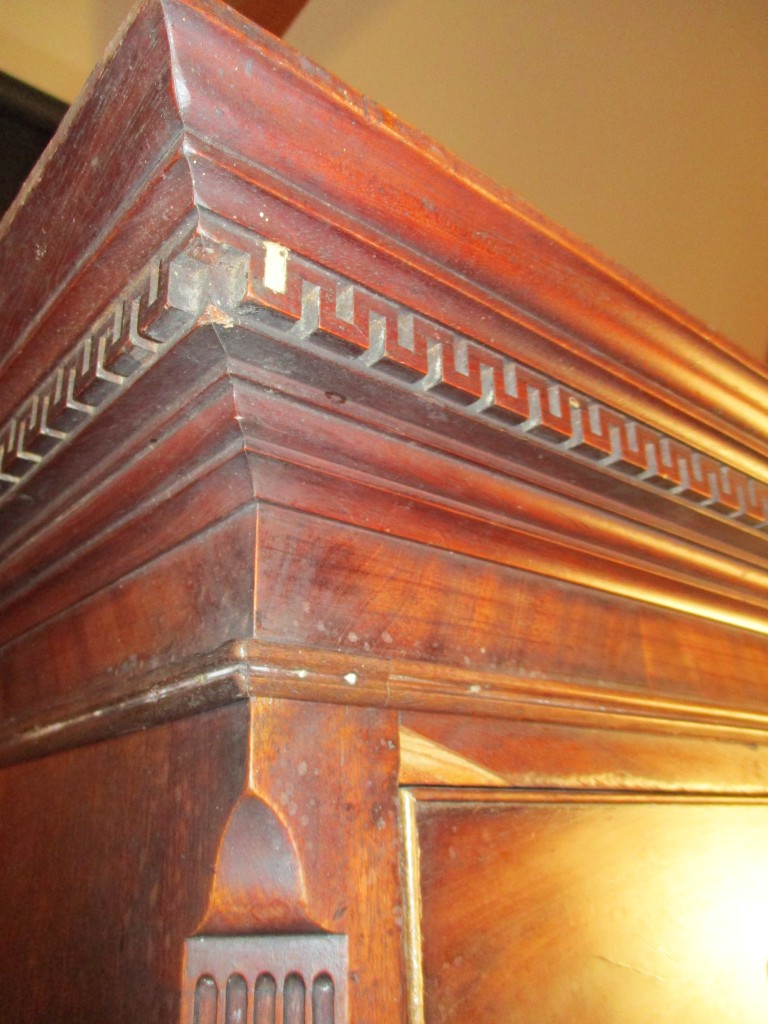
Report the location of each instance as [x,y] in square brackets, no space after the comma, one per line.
[607,912]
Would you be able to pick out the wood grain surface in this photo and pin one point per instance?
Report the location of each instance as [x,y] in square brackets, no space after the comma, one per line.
[327,467]
[547,909]
[106,860]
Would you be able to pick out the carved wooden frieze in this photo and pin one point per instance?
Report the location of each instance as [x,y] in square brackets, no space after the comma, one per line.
[158,307]
[469,377]
[218,284]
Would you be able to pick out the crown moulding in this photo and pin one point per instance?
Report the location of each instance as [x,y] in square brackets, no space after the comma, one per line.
[259,287]
[278,316]
[186,139]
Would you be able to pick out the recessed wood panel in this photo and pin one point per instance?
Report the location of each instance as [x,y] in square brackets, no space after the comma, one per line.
[617,912]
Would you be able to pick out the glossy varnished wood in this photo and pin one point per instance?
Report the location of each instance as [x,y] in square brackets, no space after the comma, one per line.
[537,909]
[239,371]
[619,753]
[328,467]
[106,863]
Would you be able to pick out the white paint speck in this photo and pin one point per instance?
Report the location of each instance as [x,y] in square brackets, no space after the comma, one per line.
[275,267]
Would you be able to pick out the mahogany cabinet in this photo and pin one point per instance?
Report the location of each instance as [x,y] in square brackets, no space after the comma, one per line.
[383,581]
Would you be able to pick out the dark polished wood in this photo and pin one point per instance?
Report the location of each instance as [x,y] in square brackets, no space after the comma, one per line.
[348,506]
[274,15]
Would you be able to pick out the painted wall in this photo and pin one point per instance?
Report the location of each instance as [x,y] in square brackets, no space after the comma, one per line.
[53,44]
[639,126]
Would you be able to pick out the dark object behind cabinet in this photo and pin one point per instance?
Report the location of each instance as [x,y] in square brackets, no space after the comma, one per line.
[28,119]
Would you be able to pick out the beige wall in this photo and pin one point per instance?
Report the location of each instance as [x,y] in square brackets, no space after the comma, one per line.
[641,125]
[638,124]
[53,44]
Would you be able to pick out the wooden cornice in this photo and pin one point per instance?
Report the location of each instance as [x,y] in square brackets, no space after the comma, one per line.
[227,292]
[465,248]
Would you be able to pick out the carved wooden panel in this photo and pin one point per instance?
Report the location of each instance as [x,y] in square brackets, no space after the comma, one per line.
[276,979]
